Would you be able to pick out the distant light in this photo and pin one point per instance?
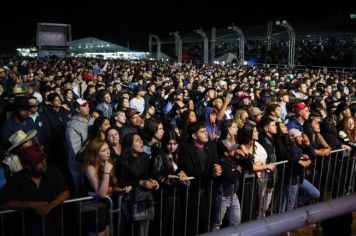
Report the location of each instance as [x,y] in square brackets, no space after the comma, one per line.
[245,63]
[353,16]
[278,22]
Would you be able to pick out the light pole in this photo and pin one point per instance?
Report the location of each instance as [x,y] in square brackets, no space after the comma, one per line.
[241,43]
[352,17]
[206,48]
[291,41]
[213,43]
[158,45]
[178,45]
[269,35]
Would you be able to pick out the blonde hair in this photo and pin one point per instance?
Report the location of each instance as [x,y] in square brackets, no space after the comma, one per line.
[237,118]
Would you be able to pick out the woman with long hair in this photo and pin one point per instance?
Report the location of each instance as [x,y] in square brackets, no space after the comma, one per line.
[135,171]
[240,118]
[348,130]
[68,99]
[254,154]
[99,180]
[153,134]
[229,131]
[101,124]
[312,130]
[171,178]
[188,117]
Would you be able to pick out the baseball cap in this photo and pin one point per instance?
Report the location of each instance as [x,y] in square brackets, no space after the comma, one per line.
[32,155]
[131,112]
[293,133]
[299,107]
[254,111]
[81,102]
[229,146]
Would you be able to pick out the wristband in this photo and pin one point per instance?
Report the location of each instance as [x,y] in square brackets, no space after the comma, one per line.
[108,173]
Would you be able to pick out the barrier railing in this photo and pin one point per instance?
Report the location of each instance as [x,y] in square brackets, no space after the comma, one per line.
[196,208]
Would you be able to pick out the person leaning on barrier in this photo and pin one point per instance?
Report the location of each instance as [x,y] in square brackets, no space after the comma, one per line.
[312,130]
[267,140]
[99,180]
[253,159]
[302,154]
[199,158]
[227,193]
[173,180]
[39,187]
[135,170]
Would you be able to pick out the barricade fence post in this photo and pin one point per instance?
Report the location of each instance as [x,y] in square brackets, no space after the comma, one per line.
[335,176]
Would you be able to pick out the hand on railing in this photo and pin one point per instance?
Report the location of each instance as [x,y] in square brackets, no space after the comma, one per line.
[304,163]
[155,184]
[347,148]
[44,209]
[149,184]
[183,178]
[126,189]
[270,166]
[36,205]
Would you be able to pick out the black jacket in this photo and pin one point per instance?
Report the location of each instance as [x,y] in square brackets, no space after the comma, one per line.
[230,176]
[198,165]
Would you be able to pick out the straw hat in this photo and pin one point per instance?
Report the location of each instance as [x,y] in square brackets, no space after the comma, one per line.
[18,90]
[20,137]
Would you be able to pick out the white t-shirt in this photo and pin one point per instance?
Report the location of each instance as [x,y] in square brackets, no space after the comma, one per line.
[260,155]
[138,104]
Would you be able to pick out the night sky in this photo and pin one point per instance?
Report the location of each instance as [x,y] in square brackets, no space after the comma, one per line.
[119,22]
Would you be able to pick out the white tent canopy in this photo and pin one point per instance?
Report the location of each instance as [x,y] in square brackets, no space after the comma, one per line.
[226,58]
[164,56]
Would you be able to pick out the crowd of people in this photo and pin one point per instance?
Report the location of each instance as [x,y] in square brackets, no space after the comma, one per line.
[323,51]
[87,127]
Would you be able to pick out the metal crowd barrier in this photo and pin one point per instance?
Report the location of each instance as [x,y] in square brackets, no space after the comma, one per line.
[191,210]
[81,205]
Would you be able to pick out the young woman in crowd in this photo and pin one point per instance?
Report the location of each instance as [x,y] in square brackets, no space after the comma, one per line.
[153,133]
[101,124]
[135,170]
[229,131]
[240,118]
[112,138]
[68,99]
[348,131]
[99,180]
[171,178]
[312,130]
[254,160]
[188,117]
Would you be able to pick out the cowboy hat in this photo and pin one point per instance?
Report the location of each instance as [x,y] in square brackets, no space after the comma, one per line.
[20,137]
